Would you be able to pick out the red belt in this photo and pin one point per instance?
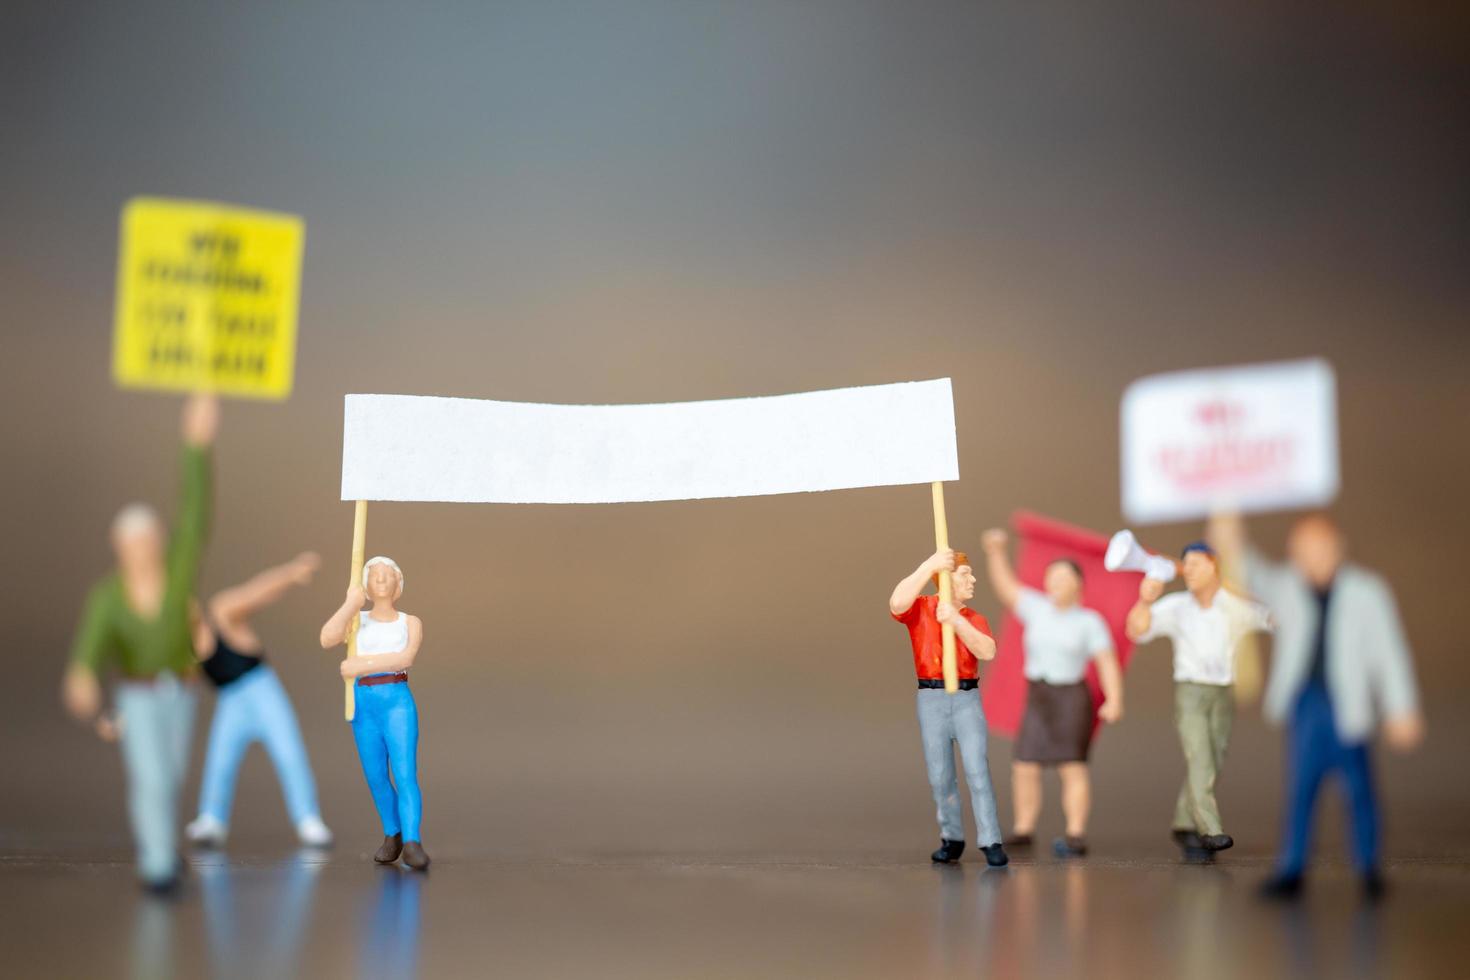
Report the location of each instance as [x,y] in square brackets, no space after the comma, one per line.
[372,679]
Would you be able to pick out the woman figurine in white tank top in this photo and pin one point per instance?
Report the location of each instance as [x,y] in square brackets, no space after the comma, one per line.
[386,723]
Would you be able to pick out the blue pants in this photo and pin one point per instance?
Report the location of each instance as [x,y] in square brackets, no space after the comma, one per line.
[1314,751]
[386,727]
[255,709]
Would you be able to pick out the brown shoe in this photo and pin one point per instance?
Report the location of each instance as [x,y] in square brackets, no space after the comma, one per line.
[414,856]
[390,850]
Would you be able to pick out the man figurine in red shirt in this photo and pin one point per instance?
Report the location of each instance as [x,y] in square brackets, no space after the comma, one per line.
[948,718]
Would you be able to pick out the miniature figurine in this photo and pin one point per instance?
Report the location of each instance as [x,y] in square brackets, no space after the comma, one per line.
[1341,664]
[1061,637]
[946,718]
[136,620]
[386,723]
[1205,622]
[252,706]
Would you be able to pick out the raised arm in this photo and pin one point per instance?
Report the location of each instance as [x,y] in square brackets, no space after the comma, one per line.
[383,663]
[1141,616]
[191,528]
[1242,563]
[233,606]
[1003,581]
[334,631]
[906,592]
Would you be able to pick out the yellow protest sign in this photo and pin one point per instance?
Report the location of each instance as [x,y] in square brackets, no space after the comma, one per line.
[206,298]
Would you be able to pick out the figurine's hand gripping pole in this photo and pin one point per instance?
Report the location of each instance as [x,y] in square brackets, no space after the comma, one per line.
[359,546]
[941,541]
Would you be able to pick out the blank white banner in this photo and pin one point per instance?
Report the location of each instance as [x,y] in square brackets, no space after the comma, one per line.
[411,447]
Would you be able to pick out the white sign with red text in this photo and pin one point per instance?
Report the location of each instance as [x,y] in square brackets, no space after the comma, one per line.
[1255,438]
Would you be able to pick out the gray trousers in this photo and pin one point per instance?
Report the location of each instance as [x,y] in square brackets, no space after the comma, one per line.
[157,717]
[946,719]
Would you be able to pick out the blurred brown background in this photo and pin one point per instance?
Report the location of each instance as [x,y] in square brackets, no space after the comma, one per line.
[627,203]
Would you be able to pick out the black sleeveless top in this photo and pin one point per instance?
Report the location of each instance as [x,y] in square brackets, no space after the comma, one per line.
[228,664]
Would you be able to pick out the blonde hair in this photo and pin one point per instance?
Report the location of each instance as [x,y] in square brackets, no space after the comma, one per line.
[134,518]
[382,560]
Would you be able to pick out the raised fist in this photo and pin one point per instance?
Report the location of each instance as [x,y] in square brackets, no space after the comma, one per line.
[201,418]
[304,566]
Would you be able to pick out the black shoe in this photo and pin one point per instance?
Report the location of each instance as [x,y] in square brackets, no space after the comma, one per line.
[1187,839]
[1018,841]
[949,851]
[1218,842]
[995,856]
[1374,887]
[389,850]
[1069,847]
[163,887]
[1192,846]
[1281,887]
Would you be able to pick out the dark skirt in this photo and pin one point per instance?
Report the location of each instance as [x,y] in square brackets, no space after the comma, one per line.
[1057,725]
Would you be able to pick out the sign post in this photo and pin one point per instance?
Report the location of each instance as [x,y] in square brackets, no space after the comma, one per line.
[946,593]
[359,551]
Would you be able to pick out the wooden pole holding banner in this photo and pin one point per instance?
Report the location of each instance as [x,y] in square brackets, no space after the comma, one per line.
[1247,652]
[359,546]
[946,593]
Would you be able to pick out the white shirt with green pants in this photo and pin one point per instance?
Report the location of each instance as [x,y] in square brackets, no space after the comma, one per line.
[1204,675]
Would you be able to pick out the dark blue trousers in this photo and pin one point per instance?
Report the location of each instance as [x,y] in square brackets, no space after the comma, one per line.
[1313,751]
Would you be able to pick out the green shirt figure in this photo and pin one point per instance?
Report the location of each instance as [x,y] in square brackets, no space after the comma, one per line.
[113,634]
[137,621]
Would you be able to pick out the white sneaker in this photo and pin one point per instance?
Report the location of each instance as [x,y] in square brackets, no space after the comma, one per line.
[313,833]
[206,831]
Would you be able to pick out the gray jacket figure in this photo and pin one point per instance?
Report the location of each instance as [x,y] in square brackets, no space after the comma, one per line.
[1370,675]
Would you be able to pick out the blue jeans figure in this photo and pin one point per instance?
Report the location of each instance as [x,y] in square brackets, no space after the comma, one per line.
[386,728]
[256,708]
[1314,751]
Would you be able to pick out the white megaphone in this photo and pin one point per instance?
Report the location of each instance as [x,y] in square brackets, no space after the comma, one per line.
[1125,554]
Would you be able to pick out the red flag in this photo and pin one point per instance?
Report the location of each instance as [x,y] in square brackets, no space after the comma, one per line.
[1039,542]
